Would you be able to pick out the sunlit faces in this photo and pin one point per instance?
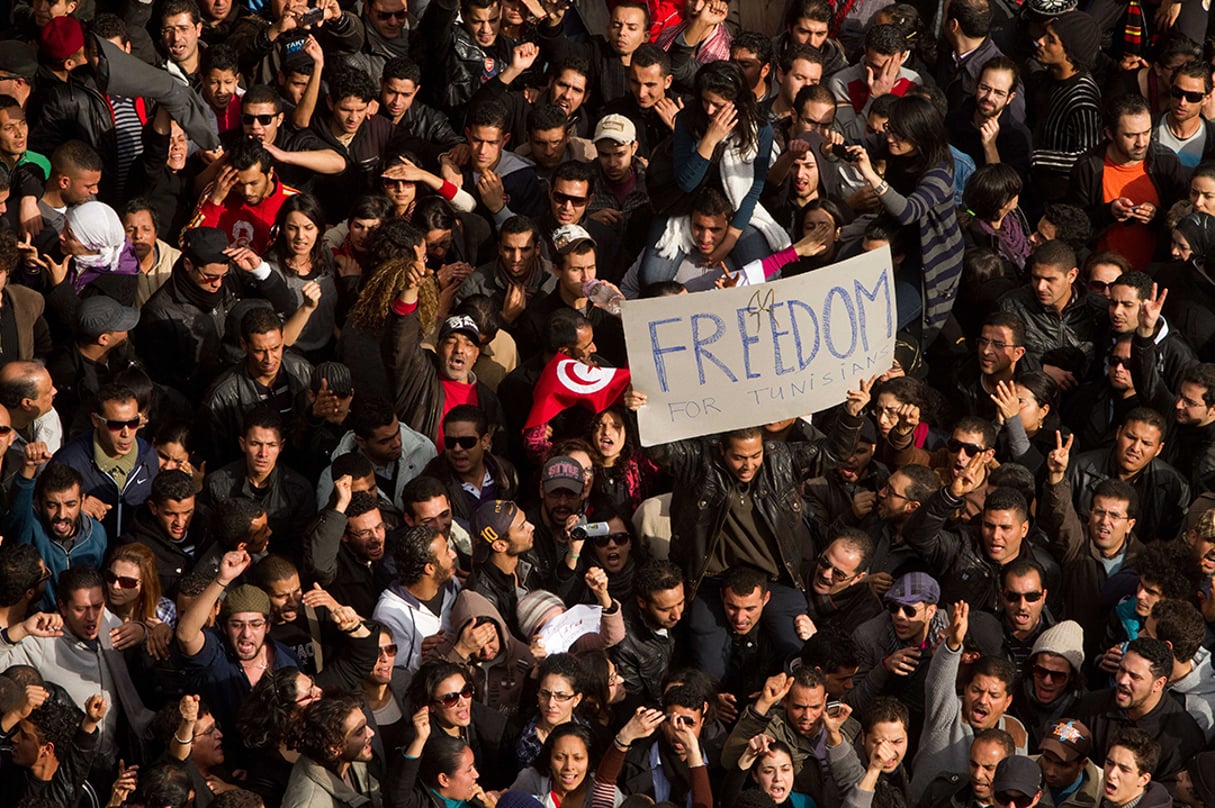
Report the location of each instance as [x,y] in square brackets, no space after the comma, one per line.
[264,354]
[1109,524]
[387,17]
[517,253]
[754,70]
[1136,444]
[569,761]
[451,702]
[568,91]
[1049,48]
[261,447]
[984,701]
[485,144]
[457,354]
[994,92]
[615,159]
[349,113]
[116,425]
[626,29]
[461,784]
[1024,598]
[356,737]
[1202,194]
[174,516]
[365,534]
[286,597]
[118,575]
[1123,779]
[1179,246]
[1131,138]
[648,84]
[14,132]
[743,611]
[246,632]
[219,88]
[180,35]
[985,756]
[568,199]
[462,457]
[743,457]
[1052,285]
[141,230]
[1050,675]
[253,184]
[664,608]
[708,231]
[773,773]
[300,233]
[805,31]
[483,24]
[1191,408]
[804,708]
[1123,308]
[397,95]
[802,73]
[557,698]
[803,181]
[894,735]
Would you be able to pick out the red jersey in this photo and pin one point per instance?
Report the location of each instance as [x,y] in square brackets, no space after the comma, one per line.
[246,225]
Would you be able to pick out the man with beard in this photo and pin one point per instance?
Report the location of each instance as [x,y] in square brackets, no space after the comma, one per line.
[973,788]
[903,494]
[48,515]
[417,605]
[1123,182]
[23,577]
[1072,780]
[516,275]
[1025,614]
[840,598]
[1052,680]
[333,737]
[228,660]
[985,126]
[1192,681]
[566,90]
[470,471]
[424,502]
[344,550]
[563,499]
[78,646]
[1133,310]
[998,350]
[1139,700]
[501,534]
[170,525]
[663,765]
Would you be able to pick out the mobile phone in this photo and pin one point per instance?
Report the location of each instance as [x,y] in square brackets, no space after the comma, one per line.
[834,707]
[310,17]
[841,151]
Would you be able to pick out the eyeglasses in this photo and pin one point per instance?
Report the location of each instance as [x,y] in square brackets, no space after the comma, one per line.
[971,449]
[46,574]
[388,650]
[367,533]
[566,199]
[9,77]
[984,342]
[888,413]
[385,16]
[453,698]
[1113,516]
[1193,96]
[463,441]
[987,89]
[5,429]
[264,120]
[1119,362]
[207,277]
[557,696]
[1048,674]
[838,575]
[1028,597]
[887,491]
[1010,798]
[115,425]
[123,581]
[211,730]
[616,538]
[907,609]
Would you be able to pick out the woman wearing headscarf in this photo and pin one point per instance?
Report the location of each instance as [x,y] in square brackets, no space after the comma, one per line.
[1190,305]
[99,252]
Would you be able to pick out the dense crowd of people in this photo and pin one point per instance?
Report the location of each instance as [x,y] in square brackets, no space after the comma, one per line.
[291,519]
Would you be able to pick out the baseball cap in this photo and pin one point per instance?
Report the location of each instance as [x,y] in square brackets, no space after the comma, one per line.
[1017,773]
[205,245]
[560,472]
[568,236]
[1202,776]
[98,314]
[492,520]
[914,587]
[60,38]
[460,324]
[17,59]
[615,127]
[1069,739]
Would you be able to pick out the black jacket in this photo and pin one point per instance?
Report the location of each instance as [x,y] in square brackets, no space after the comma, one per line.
[703,488]
[289,501]
[1161,165]
[173,560]
[642,657]
[1049,333]
[1190,307]
[956,555]
[1163,492]
[330,563]
[500,469]
[1176,731]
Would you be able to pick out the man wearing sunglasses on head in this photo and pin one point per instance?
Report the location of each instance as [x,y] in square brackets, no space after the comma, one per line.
[116,465]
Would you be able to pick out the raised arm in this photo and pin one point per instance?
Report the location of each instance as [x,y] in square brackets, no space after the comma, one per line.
[190,625]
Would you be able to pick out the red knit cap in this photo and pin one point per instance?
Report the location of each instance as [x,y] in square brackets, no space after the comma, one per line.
[60,38]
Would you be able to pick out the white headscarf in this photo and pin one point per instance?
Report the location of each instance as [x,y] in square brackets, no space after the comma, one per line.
[98,228]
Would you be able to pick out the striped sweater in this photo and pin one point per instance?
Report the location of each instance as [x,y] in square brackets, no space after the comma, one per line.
[1068,124]
[931,206]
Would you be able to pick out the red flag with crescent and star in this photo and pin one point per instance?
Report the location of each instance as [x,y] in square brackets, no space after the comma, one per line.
[566,383]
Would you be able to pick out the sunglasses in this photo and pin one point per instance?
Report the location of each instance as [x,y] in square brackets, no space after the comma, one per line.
[5,429]
[463,441]
[453,698]
[907,609]
[576,201]
[1048,674]
[123,581]
[1119,362]
[114,425]
[1028,597]
[618,538]
[1013,798]
[385,16]
[1193,96]
[264,120]
[1100,287]
[837,574]
[388,650]
[395,183]
[971,449]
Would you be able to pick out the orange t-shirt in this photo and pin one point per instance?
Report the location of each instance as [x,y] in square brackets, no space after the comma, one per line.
[1133,240]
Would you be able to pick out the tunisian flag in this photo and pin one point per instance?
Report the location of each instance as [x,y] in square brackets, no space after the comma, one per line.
[567,382]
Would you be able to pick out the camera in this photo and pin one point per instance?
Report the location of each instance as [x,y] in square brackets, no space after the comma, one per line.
[680,720]
[588,530]
[840,150]
[310,17]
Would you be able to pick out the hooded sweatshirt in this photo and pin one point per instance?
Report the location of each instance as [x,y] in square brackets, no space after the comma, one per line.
[500,680]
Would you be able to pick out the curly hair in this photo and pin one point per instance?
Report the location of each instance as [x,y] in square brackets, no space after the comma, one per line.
[149,580]
[267,711]
[321,727]
[370,311]
[56,723]
[412,553]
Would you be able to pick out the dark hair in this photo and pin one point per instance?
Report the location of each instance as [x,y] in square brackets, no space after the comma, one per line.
[855,539]
[795,52]
[1142,745]
[657,576]
[918,121]
[403,68]
[725,79]
[742,579]
[394,238]
[219,57]
[754,42]
[262,94]
[56,722]
[711,202]
[233,520]
[238,798]
[370,414]
[885,710]
[259,320]
[566,666]
[262,416]
[484,312]
[648,55]
[428,677]
[830,650]
[596,704]
[136,205]
[990,188]
[173,484]
[172,8]
[1071,223]
[543,763]
[361,502]
[817,10]
[19,571]
[310,208]
[887,39]
[1006,319]
[810,678]
[999,737]
[412,552]
[1121,491]
[1021,567]
[1141,282]
[1016,477]
[57,477]
[442,752]
[421,489]
[686,695]
[164,785]
[354,463]
[1002,62]
[981,426]
[1195,70]
[1128,104]
[433,213]
[110,26]
[1146,415]
[321,727]
[164,723]
[1181,625]
[1054,253]
[74,156]
[563,327]
[1156,652]
[923,482]
[997,668]
[1202,375]
[270,570]
[1169,566]
[639,5]
[973,17]
[73,579]
[574,171]
[1105,257]
[346,81]
[490,113]
[1045,390]
[250,152]
[470,414]
[1007,499]
[544,116]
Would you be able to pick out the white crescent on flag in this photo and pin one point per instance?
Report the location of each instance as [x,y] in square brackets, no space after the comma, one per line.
[581,378]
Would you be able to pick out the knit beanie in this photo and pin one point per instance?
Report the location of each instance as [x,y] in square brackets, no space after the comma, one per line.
[532,607]
[245,598]
[1081,38]
[1064,639]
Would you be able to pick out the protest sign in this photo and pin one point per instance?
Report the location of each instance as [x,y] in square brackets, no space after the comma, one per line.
[730,358]
[559,634]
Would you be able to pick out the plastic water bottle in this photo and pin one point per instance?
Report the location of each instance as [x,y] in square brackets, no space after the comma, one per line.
[604,295]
